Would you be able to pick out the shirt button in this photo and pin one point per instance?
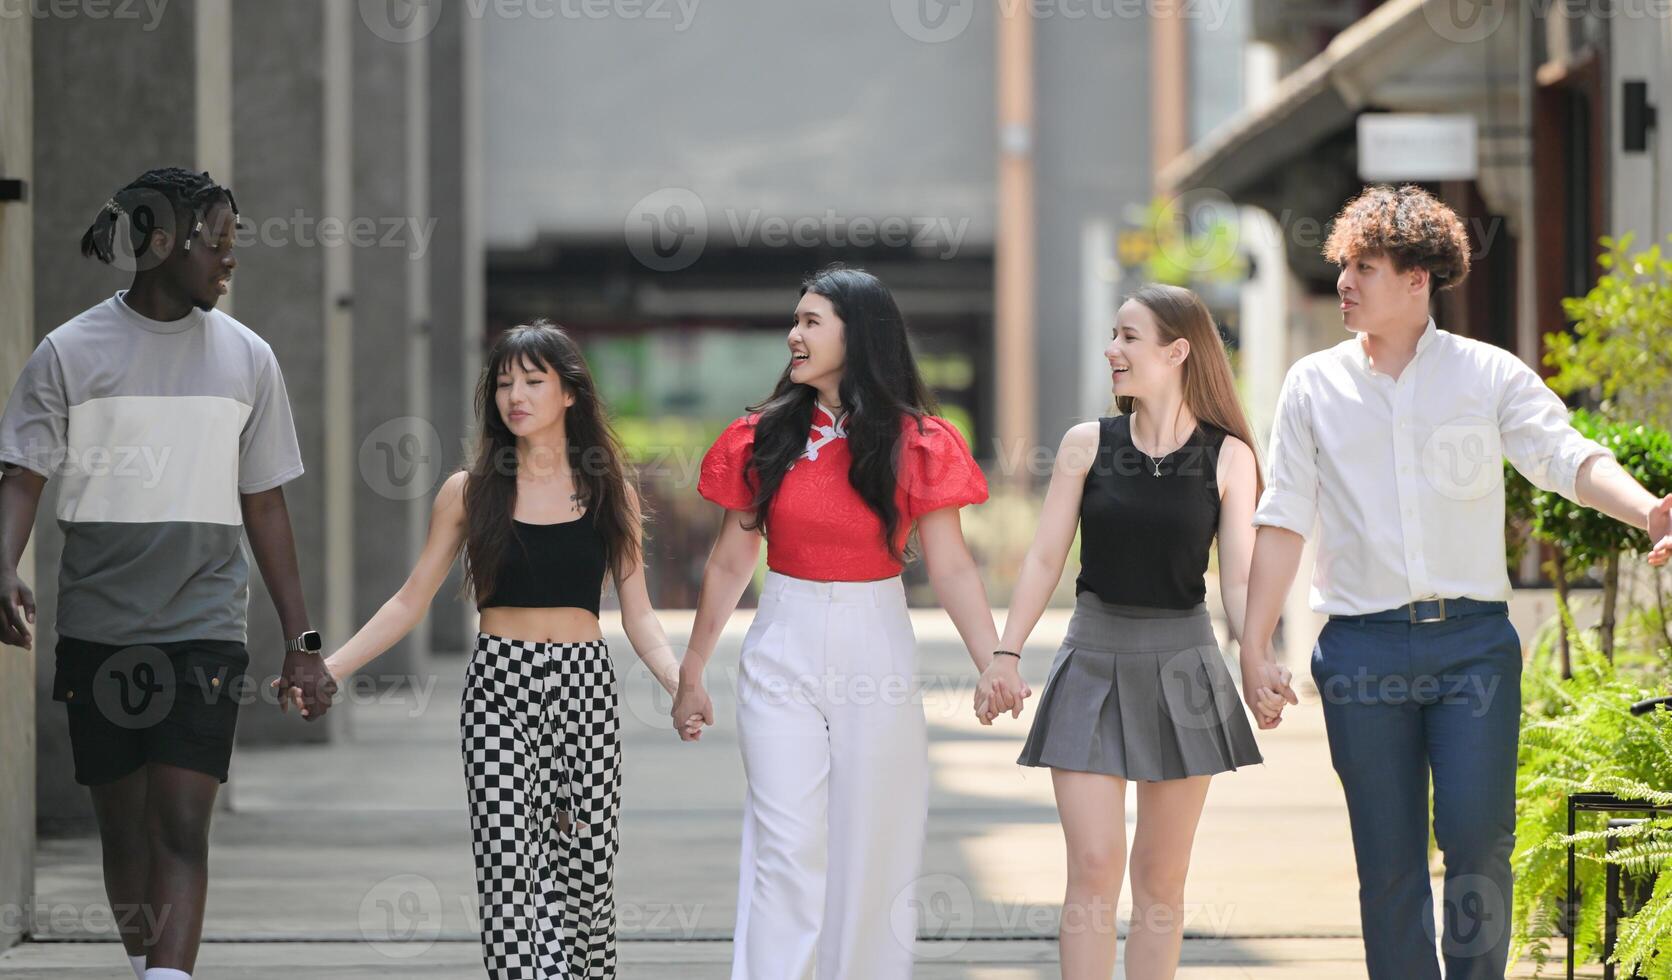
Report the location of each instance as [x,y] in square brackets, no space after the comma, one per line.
[69,694]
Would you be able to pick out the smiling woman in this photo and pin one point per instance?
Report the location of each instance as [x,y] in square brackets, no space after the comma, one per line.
[835,469]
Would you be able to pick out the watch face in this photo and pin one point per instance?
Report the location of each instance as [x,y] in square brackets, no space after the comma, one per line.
[311,641]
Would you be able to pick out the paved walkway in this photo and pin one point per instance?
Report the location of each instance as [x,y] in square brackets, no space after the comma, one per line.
[353,860]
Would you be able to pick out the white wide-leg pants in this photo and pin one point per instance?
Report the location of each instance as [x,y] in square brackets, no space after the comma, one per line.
[835,752]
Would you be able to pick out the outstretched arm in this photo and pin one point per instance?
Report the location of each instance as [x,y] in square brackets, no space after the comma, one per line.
[1041,569]
[1265,682]
[406,607]
[638,618]
[731,564]
[1604,485]
[303,676]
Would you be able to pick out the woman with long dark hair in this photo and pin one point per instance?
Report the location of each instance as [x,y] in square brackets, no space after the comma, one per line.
[545,511]
[835,469]
[1139,690]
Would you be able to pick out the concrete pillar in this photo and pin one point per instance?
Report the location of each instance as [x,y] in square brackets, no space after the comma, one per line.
[1014,273]
[395,444]
[17,340]
[455,271]
[86,145]
[290,105]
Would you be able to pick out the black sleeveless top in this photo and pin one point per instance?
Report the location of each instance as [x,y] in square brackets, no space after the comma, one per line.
[1144,538]
[551,565]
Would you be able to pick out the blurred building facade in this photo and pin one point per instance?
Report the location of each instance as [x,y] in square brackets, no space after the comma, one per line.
[660,185]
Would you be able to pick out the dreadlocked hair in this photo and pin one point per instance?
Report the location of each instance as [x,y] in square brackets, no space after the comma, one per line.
[188,194]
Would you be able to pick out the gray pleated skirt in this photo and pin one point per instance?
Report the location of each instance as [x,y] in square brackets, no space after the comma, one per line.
[1140,693]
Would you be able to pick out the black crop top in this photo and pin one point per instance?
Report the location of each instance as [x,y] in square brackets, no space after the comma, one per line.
[551,565]
[1144,538]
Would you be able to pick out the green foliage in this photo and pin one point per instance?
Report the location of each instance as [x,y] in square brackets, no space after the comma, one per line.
[1621,344]
[1579,736]
[1587,537]
[1188,256]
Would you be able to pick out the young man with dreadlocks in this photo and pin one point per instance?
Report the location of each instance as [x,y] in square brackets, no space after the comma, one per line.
[167,426]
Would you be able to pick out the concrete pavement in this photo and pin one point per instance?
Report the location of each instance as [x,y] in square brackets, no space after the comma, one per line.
[352,860]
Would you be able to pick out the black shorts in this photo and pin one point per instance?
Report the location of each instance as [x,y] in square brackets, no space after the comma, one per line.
[174,703]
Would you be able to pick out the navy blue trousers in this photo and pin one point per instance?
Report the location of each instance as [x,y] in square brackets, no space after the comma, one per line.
[1405,704]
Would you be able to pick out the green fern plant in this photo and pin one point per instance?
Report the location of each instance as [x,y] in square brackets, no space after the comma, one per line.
[1579,736]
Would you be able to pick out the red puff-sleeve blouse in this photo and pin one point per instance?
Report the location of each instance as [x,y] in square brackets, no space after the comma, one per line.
[819,527]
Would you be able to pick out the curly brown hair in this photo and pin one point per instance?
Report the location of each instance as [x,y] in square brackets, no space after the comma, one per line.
[1408,225]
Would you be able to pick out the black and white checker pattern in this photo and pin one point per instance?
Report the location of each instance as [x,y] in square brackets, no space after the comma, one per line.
[540,727]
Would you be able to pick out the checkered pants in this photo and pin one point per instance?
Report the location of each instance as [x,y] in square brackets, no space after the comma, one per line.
[540,725]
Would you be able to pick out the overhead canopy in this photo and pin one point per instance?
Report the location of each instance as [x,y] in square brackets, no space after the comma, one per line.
[1295,153]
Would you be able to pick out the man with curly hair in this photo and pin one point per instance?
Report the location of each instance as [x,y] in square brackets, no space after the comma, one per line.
[1392,444]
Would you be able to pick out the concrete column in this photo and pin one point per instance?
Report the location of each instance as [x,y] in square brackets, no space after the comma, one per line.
[87,144]
[17,340]
[394,443]
[455,271]
[1014,250]
[290,84]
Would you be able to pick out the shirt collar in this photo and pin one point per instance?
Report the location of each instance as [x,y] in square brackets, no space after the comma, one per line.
[1429,332]
[822,416]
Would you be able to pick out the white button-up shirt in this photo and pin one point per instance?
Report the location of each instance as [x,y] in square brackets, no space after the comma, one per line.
[1404,478]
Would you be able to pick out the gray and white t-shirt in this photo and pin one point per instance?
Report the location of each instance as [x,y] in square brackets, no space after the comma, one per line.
[152,431]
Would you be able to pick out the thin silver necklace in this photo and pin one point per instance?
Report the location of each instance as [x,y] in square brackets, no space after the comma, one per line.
[1153,460]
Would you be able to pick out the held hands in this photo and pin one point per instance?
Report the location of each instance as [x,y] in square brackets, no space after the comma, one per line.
[1660,532]
[1001,689]
[1265,688]
[692,709]
[305,682]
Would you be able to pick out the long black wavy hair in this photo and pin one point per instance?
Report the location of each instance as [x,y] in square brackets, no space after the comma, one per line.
[880,385]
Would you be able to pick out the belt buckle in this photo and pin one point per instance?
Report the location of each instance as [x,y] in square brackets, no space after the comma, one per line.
[1428,619]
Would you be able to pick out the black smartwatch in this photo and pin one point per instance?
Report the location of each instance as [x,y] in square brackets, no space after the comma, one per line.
[309,642]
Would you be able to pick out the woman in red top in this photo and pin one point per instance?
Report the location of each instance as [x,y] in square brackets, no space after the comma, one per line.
[834,470]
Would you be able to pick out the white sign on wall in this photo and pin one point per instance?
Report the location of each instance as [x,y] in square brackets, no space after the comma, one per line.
[1417,146]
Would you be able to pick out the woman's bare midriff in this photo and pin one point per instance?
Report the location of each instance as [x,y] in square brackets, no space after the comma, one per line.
[565,624]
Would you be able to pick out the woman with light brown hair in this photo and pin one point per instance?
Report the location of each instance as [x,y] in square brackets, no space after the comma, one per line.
[1139,689]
